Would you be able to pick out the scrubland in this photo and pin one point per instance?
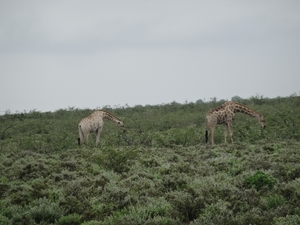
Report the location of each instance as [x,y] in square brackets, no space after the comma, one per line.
[159,172]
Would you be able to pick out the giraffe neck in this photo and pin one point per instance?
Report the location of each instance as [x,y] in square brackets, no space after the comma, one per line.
[110,116]
[245,110]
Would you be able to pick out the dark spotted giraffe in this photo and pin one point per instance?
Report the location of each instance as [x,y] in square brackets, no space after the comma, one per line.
[225,115]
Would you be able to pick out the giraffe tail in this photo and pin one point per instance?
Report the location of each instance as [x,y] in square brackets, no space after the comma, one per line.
[206,136]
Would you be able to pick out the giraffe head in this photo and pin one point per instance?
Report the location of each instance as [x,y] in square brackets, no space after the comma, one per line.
[121,125]
[262,121]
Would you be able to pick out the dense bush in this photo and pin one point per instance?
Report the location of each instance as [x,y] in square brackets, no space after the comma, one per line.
[260,180]
[158,172]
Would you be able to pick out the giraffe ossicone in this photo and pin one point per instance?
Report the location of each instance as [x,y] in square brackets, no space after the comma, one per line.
[94,123]
[225,115]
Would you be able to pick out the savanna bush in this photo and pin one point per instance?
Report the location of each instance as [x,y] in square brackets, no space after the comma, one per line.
[273,201]
[216,213]
[119,197]
[260,180]
[118,160]
[288,220]
[291,192]
[158,172]
[187,206]
[155,212]
[177,136]
[5,221]
[45,211]
[70,219]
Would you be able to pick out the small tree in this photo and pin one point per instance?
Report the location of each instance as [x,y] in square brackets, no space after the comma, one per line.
[258,99]
[222,101]
[199,101]
[237,99]
[213,100]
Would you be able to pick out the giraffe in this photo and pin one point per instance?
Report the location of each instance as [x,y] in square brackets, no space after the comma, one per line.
[225,115]
[94,123]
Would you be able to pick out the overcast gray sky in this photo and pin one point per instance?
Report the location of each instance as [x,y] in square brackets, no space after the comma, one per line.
[91,53]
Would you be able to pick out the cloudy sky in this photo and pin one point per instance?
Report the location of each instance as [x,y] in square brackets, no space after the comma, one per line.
[92,53]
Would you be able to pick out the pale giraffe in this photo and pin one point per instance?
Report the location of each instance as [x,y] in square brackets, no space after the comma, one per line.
[94,123]
[225,115]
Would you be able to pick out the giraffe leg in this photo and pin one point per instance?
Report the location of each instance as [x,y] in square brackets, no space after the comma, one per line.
[98,132]
[211,124]
[86,138]
[228,131]
[225,134]
[211,136]
[231,134]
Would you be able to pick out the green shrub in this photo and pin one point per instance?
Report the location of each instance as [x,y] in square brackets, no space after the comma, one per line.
[158,220]
[187,206]
[216,213]
[177,136]
[288,220]
[45,211]
[71,219]
[92,222]
[5,221]
[155,212]
[12,212]
[117,160]
[116,196]
[273,201]
[260,180]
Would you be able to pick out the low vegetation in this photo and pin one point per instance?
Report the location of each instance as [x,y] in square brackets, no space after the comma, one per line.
[159,172]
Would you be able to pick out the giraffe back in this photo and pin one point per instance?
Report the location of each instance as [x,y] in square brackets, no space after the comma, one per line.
[92,123]
[220,115]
